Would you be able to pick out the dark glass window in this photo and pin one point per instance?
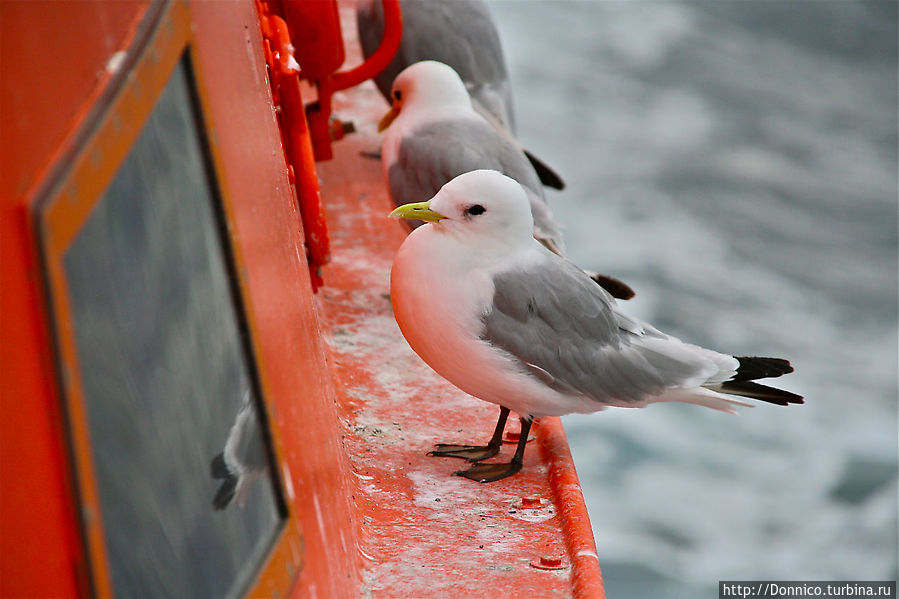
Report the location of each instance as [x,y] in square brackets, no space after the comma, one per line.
[166,372]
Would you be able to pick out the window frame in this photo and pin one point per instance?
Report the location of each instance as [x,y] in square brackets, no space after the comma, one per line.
[146,67]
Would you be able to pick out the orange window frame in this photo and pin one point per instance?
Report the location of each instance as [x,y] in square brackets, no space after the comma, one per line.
[150,63]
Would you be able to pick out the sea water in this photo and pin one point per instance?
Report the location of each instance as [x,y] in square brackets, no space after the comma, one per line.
[735,163]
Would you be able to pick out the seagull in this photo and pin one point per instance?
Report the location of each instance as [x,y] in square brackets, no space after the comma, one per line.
[243,460]
[461,34]
[505,320]
[433,134]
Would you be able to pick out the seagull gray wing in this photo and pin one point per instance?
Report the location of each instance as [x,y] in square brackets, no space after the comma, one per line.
[566,331]
[435,153]
[460,33]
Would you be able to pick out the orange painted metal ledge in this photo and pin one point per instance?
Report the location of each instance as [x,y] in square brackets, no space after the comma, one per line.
[426,532]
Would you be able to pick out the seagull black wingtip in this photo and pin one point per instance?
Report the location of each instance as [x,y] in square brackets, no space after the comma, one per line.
[754,367]
[761,392]
[545,173]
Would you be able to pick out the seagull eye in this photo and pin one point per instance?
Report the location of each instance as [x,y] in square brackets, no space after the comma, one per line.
[397,95]
[475,210]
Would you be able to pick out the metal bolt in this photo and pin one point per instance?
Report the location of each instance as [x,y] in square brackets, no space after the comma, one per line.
[514,436]
[532,501]
[549,562]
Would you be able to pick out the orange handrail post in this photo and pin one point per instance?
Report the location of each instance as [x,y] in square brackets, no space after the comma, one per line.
[305,42]
[315,28]
[295,134]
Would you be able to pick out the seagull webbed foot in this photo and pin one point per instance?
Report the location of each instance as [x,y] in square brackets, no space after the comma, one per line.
[472,453]
[487,473]
[475,453]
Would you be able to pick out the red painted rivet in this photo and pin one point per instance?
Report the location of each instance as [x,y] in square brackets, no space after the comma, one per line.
[549,562]
[514,437]
[532,501]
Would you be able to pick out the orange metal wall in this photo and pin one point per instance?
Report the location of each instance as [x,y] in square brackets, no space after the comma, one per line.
[56,70]
[266,225]
[53,71]
[51,75]
[36,506]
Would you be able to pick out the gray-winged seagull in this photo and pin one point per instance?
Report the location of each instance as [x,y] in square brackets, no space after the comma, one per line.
[462,34]
[507,321]
[433,134]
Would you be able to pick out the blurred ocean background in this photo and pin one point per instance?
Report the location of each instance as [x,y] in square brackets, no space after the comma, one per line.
[736,163]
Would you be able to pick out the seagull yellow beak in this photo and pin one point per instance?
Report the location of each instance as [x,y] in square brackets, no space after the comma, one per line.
[417,211]
[388,118]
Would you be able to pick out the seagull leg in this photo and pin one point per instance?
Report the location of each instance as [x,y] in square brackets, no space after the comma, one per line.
[474,453]
[487,473]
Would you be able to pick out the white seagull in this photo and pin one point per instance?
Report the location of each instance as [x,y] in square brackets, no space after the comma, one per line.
[507,321]
[461,34]
[243,460]
[433,135]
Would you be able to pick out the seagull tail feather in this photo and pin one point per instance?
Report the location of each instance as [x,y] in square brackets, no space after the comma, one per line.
[761,392]
[752,368]
[706,397]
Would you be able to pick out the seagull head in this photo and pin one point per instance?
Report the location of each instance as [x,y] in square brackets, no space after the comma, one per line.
[479,207]
[425,85]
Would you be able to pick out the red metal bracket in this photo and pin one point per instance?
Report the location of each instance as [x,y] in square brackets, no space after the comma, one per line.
[284,72]
[309,34]
[315,27]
